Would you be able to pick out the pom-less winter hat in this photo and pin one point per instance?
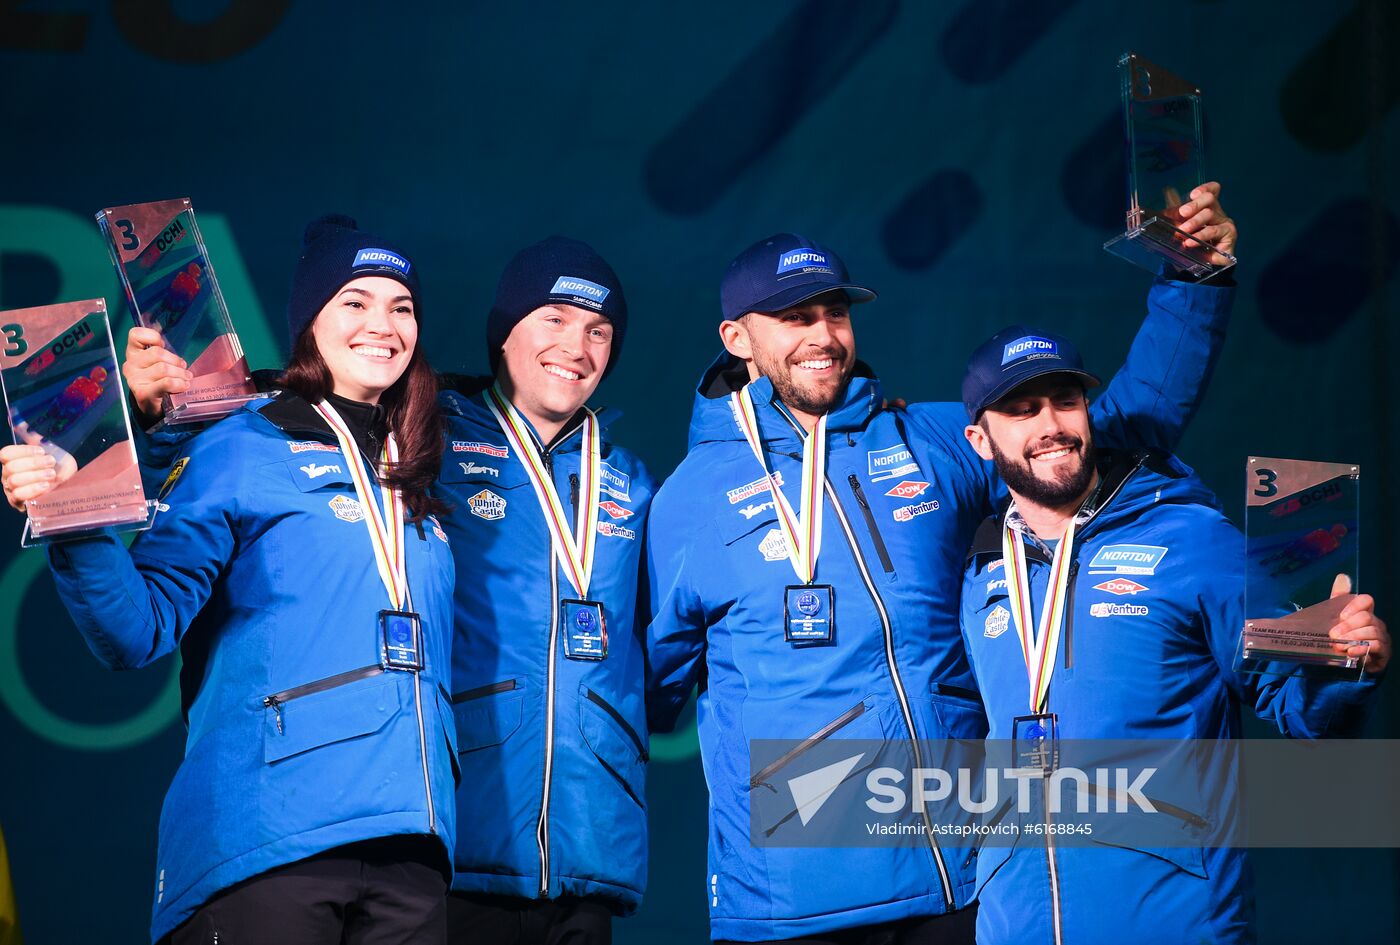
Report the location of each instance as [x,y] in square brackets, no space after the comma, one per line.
[555,271]
[334,251]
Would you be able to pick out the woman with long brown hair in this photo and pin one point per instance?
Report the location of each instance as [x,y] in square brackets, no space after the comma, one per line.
[302,573]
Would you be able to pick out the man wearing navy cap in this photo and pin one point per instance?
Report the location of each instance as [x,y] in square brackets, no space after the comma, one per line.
[804,567]
[1158,667]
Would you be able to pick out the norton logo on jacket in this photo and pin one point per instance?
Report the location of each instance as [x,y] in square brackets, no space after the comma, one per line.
[751,489]
[889,463]
[486,504]
[1127,559]
[347,509]
[614,483]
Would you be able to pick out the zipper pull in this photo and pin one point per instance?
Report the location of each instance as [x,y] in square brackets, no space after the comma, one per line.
[859,492]
[275,704]
[573,492]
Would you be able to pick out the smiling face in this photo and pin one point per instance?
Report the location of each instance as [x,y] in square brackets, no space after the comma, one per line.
[552,361]
[1039,438]
[366,334]
[808,352]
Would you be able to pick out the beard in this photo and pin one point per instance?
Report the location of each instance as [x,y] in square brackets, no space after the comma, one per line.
[813,399]
[1068,485]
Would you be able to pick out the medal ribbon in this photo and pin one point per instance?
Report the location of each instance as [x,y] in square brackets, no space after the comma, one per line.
[574,551]
[386,538]
[803,532]
[1039,653]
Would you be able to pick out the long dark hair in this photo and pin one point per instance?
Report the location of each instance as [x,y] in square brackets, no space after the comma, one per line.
[412,412]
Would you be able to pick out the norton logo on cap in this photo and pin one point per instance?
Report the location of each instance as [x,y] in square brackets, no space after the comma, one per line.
[383,258]
[1031,346]
[805,259]
[574,287]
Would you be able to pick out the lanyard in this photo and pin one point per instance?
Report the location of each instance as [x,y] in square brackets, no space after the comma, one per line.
[803,532]
[1038,653]
[576,550]
[385,538]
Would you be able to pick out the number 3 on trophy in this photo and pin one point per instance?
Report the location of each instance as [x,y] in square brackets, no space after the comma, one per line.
[1266,483]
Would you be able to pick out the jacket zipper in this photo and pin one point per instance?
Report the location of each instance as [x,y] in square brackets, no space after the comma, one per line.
[1055,919]
[573,493]
[542,826]
[279,699]
[600,702]
[1069,613]
[903,697]
[875,536]
[891,663]
[811,741]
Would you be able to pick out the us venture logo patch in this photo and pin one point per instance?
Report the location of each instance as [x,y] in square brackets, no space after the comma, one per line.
[1127,559]
[1117,610]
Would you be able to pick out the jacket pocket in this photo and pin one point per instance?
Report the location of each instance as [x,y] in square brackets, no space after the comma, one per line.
[614,741]
[487,715]
[959,712]
[332,710]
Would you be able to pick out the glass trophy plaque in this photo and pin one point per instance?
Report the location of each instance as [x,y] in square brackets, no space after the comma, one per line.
[1162,118]
[1302,539]
[170,285]
[63,392]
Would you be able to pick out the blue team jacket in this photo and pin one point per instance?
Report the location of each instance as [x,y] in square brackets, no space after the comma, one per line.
[1147,651]
[553,750]
[904,496]
[261,571]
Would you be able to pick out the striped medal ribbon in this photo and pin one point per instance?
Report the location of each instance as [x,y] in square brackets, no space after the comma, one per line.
[385,537]
[1039,652]
[574,551]
[803,531]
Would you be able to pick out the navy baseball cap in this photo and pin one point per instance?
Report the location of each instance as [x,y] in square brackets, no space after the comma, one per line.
[782,271]
[1012,357]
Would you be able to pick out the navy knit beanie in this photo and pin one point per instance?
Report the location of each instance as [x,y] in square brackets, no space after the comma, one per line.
[555,271]
[333,253]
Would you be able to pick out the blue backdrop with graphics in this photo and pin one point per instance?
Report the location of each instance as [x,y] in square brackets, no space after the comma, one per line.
[964,157]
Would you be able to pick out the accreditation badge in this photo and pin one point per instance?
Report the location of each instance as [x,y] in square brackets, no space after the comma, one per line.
[584,629]
[1035,742]
[400,640]
[809,613]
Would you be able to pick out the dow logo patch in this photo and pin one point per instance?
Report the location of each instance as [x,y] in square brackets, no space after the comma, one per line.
[615,510]
[486,504]
[1121,586]
[908,489]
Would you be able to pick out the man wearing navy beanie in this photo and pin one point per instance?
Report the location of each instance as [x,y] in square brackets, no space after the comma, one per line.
[548,667]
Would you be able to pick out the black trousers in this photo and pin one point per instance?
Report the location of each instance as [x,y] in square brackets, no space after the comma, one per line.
[954,928]
[390,891]
[507,920]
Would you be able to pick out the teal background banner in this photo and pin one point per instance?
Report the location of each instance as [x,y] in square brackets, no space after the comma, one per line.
[964,157]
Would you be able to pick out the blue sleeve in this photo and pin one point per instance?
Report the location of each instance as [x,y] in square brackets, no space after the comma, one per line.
[1154,395]
[133,607]
[1301,706]
[676,635]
